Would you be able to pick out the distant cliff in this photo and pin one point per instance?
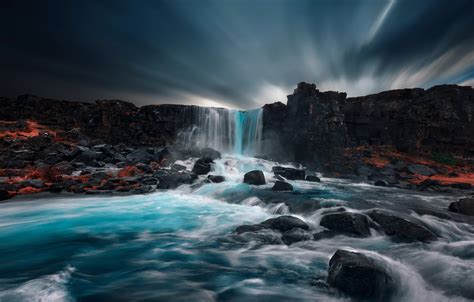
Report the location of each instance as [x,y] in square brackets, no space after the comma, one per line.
[314,127]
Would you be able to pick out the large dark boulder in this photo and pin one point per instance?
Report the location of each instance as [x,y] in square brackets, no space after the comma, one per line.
[289,173]
[202,166]
[347,223]
[255,177]
[312,178]
[173,179]
[210,153]
[282,186]
[402,229]
[463,206]
[285,223]
[359,276]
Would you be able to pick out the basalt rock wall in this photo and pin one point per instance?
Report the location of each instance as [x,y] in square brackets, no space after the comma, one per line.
[315,127]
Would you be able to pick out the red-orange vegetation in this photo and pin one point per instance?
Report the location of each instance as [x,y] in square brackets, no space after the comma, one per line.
[129,171]
[31,129]
[28,190]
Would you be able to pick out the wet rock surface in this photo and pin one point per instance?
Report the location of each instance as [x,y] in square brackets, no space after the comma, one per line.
[282,186]
[359,276]
[463,206]
[353,224]
[255,177]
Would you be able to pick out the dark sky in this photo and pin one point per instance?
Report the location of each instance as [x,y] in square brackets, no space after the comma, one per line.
[231,53]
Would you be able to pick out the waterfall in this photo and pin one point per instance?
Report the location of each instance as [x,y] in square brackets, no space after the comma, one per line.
[227,130]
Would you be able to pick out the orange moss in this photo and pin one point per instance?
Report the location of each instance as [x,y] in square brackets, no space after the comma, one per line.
[32,129]
[28,190]
[129,171]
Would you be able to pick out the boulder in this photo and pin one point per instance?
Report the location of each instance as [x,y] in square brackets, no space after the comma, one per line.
[289,173]
[4,195]
[202,166]
[150,181]
[359,276]
[172,180]
[255,177]
[178,167]
[216,178]
[400,228]
[312,178]
[347,223]
[282,186]
[34,183]
[380,183]
[142,155]
[210,153]
[463,206]
[249,228]
[421,170]
[285,223]
[295,235]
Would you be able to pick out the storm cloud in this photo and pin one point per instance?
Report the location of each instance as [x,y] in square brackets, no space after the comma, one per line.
[230,53]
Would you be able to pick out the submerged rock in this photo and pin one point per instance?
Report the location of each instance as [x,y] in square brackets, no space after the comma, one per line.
[400,228]
[295,235]
[216,178]
[463,206]
[282,186]
[359,276]
[285,223]
[347,223]
[289,173]
[255,177]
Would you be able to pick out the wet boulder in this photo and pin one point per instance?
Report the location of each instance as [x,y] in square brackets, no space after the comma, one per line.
[178,167]
[380,183]
[295,235]
[210,153]
[285,223]
[216,178]
[312,178]
[359,276]
[172,179]
[289,173]
[142,155]
[401,229]
[248,228]
[4,195]
[463,206]
[255,177]
[347,223]
[202,166]
[282,186]
[461,186]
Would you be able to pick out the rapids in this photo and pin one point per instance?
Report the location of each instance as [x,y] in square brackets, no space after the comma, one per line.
[179,245]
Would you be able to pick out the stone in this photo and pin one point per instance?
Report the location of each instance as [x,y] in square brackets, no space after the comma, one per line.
[216,178]
[359,276]
[202,166]
[380,183]
[248,228]
[172,179]
[401,229]
[210,153]
[347,223]
[461,186]
[4,195]
[289,173]
[295,235]
[255,177]
[421,170]
[312,178]
[285,223]
[282,186]
[178,167]
[463,206]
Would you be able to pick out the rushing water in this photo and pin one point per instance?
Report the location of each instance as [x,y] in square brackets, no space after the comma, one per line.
[227,130]
[179,245]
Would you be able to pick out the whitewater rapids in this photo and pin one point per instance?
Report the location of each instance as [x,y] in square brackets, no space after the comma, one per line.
[178,245]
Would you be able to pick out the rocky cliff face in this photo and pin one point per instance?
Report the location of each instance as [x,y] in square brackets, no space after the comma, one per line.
[315,127]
